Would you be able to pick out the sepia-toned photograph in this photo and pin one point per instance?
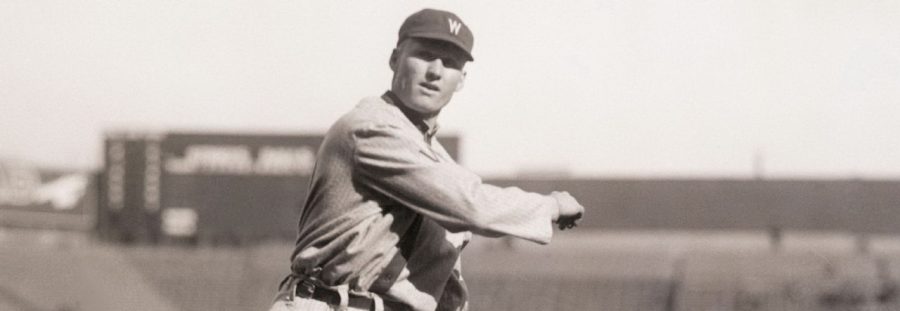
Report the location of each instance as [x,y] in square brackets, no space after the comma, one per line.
[450,155]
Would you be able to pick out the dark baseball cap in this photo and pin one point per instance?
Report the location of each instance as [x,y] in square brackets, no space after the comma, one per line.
[438,25]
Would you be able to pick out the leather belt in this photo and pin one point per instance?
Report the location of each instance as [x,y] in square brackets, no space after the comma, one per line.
[332,297]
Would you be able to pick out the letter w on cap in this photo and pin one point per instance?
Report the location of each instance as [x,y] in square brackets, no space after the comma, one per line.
[454,26]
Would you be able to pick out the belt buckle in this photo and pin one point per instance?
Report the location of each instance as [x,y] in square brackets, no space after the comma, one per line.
[306,288]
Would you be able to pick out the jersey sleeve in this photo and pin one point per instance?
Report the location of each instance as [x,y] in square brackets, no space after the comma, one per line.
[398,164]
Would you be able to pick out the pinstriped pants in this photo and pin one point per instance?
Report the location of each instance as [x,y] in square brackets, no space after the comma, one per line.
[306,304]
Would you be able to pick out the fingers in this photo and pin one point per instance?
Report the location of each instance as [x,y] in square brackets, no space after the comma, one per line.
[568,225]
[569,222]
[569,210]
[564,226]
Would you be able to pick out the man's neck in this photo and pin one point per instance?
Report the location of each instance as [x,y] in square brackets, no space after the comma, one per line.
[430,121]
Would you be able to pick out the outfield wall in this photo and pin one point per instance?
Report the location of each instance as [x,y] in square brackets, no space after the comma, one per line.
[864,206]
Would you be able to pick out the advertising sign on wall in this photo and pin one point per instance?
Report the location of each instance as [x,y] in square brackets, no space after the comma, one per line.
[234,187]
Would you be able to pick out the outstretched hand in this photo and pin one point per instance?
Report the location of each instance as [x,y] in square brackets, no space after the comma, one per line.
[570,211]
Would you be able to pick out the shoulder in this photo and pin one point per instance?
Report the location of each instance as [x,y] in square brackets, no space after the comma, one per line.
[371,117]
[376,109]
[370,113]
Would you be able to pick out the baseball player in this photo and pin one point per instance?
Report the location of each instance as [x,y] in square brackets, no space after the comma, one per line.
[388,210]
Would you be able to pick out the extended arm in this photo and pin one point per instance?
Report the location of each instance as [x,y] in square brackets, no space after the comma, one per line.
[396,164]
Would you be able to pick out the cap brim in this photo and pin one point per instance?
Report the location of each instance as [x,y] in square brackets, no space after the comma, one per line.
[445,38]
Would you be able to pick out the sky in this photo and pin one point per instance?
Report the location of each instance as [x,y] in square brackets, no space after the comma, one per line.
[606,88]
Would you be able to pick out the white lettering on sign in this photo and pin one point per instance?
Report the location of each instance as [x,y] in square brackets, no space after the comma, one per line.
[152,173]
[239,160]
[212,159]
[179,221]
[284,160]
[115,175]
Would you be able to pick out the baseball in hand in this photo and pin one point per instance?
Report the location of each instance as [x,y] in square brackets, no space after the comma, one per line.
[570,211]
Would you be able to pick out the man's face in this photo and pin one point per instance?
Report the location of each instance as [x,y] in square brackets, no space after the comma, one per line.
[427,73]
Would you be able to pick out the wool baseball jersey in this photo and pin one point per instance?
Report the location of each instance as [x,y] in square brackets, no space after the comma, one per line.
[389,211]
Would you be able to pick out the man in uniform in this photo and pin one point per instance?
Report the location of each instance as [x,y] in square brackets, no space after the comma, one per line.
[388,210]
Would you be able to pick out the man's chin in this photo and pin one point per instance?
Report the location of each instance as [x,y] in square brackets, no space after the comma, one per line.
[424,106]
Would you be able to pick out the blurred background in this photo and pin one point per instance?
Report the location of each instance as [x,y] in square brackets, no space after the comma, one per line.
[736,155]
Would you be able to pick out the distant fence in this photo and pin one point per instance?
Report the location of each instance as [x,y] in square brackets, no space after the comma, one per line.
[862,206]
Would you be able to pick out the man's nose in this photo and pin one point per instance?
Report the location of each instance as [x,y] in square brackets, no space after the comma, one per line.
[435,69]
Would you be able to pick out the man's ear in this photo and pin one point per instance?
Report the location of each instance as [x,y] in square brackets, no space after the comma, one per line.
[395,55]
[461,83]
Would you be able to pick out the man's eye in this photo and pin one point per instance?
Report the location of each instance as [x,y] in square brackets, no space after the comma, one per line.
[451,63]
